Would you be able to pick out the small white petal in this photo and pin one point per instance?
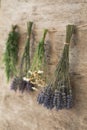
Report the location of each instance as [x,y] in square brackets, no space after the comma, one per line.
[27,79]
[24,78]
[40,72]
[34,88]
[29,72]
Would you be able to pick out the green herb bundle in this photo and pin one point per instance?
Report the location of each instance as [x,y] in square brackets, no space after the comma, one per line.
[59,93]
[25,62]
[19,82]
[11,52]
[39,56]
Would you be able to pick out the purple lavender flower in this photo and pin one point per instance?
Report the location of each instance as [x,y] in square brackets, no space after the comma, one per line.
[14,84]
[22,85]
[64,100]
[69,101]
[40,98]
[29,86]
[57,100]
[46,97]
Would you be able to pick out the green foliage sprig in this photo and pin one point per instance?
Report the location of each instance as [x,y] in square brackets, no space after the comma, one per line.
[25,61]
[39,56]
[11,53]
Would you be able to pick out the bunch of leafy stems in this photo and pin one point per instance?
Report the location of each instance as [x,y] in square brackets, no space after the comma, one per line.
[25,61]
[11,53]
[39,61]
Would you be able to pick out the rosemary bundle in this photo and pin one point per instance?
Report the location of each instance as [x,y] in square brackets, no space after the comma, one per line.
[11,53]
[59,93]
[19,82]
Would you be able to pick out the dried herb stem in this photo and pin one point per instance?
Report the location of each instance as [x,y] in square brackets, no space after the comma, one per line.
[11,52]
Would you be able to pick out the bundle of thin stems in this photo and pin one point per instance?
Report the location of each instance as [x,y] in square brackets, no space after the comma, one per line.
[58,94]
[11,52]
[19,82]
[39,56]
[37,75]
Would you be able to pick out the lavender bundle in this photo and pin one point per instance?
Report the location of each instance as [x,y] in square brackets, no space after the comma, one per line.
[59,93]
[19,82]
[11,52]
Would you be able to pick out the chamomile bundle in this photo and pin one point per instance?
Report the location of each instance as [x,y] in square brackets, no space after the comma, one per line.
[36,72]
[58,94]
[11,52]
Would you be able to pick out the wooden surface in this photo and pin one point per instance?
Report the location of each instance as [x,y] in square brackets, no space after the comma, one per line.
[21,112]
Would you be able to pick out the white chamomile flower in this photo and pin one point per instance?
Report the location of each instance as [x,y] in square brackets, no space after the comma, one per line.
[29,72]
[34,88]
[40,72]
[25,79]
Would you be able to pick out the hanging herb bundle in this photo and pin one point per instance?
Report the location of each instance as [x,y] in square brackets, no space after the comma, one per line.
[39,56]
[19,82]
[38,63]
[59,93]
[11,52]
